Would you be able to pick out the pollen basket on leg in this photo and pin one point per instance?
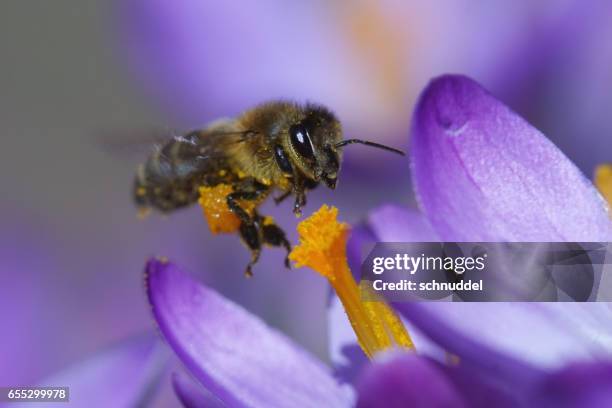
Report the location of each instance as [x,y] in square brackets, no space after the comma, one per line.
[220,218]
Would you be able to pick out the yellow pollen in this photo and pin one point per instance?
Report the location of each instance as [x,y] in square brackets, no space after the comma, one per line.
[220,218]
[322,248]
[143,212]
[603,181]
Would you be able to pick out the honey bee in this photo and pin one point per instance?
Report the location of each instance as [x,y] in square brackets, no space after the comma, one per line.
[278,145]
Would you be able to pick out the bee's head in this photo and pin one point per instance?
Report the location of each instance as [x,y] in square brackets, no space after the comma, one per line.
[314,145]
[311,143]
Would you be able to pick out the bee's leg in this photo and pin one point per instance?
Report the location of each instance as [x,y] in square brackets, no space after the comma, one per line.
[299,189]
[232,203]
[249,225]
[249,232]
[253,192]
[300,198]
[300,201]
[273,235]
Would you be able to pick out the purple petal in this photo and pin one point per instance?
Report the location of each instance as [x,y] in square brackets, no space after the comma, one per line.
[482,173]
[232,353]
[123,376]
[482,389]
[193,395]
[577,386]
[471,350]
[388,223]
[391,223]
[407,380]
[346,355]
[545,334]
[361,241]
[411,380]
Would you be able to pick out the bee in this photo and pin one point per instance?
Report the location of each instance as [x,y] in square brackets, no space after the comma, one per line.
[278,145]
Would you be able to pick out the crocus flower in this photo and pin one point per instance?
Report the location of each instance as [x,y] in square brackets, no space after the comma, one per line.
[482,173]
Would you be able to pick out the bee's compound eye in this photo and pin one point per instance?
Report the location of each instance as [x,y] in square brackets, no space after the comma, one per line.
[300,141]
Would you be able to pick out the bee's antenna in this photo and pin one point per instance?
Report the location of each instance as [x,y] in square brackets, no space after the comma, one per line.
[367,143]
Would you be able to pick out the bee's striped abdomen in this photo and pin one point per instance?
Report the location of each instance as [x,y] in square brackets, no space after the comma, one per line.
[171,176]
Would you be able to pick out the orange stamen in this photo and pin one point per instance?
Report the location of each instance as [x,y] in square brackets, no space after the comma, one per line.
[323,248]
[603,181]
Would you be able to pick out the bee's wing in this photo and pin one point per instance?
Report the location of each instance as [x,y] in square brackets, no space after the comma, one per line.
[140,143]
[130,144]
